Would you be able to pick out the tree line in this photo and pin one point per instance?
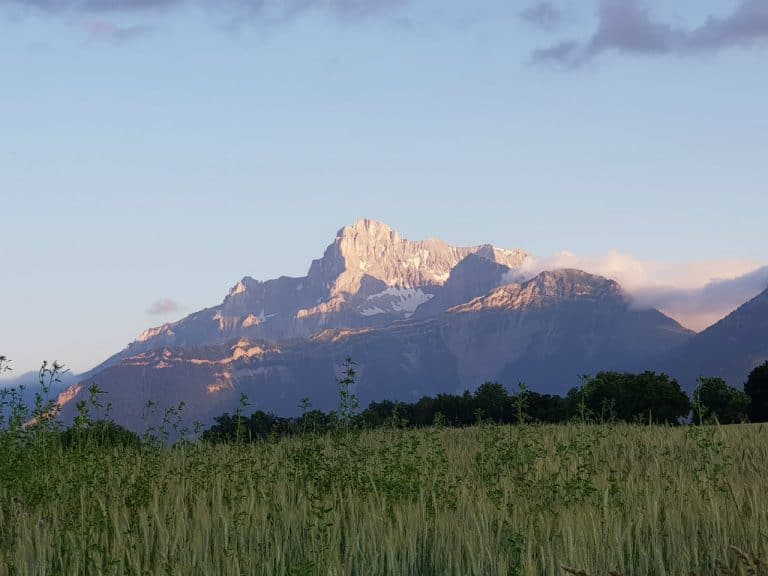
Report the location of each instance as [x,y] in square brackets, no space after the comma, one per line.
[647,397]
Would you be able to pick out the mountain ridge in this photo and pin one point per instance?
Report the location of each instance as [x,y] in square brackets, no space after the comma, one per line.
[368,276]
[418,317]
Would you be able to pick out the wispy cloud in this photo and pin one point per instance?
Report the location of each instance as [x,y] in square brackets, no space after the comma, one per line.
[163,306]
[100,30]
[543,15]
[272,11]
[696,294]
[627,26]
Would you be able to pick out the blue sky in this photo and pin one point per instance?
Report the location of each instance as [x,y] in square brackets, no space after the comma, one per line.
[164,149]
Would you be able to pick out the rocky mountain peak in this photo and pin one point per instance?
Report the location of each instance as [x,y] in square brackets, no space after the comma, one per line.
[368,276]
[372,248]
[242,287]
[568,284]
[508,258]
[369,230]
[546,288]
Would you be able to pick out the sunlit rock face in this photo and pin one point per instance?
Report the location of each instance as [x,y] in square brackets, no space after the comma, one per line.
[368,277]
[370,248]
[547,288]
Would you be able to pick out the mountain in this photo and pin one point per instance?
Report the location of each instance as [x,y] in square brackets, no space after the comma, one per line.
[368,277]
[544,331]
[730,349]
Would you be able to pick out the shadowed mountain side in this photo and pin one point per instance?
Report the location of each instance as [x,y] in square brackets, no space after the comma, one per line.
[210,380]
[730,349]
[474,276]
[623,342]
[545,331]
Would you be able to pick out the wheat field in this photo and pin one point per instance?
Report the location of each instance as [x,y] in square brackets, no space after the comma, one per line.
[486,500]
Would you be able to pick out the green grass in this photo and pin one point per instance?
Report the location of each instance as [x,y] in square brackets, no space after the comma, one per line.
[487,500]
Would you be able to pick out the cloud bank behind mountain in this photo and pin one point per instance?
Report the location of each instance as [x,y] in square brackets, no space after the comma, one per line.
[696,294]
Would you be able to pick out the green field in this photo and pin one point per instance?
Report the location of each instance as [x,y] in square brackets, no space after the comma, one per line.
[485,500]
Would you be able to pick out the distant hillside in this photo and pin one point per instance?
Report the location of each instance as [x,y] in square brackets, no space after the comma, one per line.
[730,348]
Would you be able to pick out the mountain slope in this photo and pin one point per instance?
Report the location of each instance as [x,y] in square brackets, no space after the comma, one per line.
[545,331]
[730,349]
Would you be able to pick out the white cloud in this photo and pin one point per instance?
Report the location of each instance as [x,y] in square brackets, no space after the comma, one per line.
[696,294]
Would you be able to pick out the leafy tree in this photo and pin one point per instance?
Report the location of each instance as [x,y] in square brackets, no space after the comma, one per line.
[546,408]
[457,410]
[258,426]
[313,421]
[492,398]
[422,413]
[756,388]
[641,397]
[714,399]
[379,413]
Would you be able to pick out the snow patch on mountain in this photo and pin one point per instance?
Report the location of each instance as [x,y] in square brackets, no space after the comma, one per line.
[371,311]
[397,299]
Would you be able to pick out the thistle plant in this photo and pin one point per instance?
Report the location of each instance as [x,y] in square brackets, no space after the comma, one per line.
[348,402]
